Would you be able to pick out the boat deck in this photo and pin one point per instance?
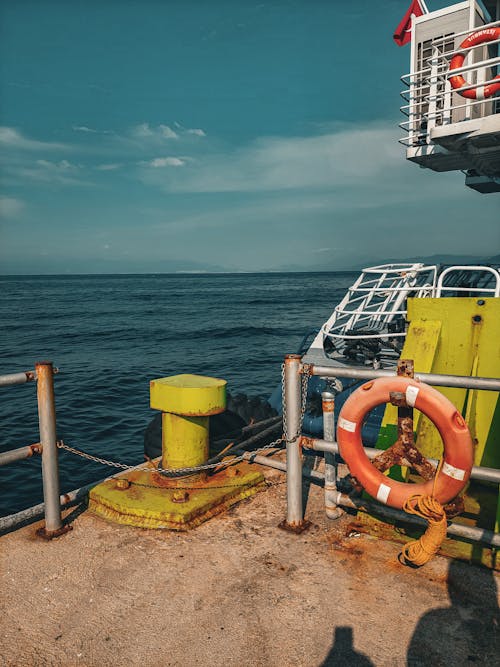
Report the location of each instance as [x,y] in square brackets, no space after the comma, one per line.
[238,591]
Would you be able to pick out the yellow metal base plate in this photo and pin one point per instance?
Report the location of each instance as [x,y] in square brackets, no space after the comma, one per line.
[147,501]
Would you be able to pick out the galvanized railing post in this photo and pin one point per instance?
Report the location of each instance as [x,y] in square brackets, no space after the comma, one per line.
[331,507]
[48,440]
[291,422]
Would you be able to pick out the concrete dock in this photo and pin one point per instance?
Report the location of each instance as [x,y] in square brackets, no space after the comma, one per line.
[238,591]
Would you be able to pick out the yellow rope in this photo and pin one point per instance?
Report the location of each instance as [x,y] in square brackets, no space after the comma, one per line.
[422,550]
[418,552]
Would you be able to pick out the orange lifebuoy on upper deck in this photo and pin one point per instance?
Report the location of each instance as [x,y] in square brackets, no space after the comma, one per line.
[457,81]
[458,452]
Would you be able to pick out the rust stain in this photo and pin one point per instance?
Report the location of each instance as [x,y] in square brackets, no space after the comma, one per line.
[306,441]
[297,527]
[398,398]
[405,368]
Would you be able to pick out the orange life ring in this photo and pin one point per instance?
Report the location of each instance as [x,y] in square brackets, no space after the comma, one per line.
[458,452]
[458,81]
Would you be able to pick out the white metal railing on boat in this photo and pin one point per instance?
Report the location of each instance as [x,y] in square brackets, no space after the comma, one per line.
[491,275]
[375,307]
[377,298]
[431,100]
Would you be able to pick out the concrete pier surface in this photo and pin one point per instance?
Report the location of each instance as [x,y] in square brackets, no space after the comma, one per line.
[238,591]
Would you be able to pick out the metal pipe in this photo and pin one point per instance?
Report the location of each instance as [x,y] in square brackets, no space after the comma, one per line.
[291,425]
[454,529]
[249,442]
[462,381]
[13,521]
[328,404]
[478,472]
[50,465]
[265,423]
[19,454]
[17,378]
[312,475]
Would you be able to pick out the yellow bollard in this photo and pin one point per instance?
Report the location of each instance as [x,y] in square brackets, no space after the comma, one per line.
[148,499]
[186,401]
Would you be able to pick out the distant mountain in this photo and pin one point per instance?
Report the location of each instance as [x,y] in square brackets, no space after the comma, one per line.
[46,266]
[444,259]
[357,266]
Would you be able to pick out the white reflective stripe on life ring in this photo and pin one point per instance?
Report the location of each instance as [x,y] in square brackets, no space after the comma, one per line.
[451,471]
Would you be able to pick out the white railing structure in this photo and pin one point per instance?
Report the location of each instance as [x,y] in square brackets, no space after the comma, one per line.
[441,124]
[430,98]
[375,306]
[484,280]
[376,300]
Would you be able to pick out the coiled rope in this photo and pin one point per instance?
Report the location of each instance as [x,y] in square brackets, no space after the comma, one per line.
[419,552]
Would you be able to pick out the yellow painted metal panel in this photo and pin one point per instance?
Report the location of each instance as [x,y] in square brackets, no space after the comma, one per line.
[420,345]
[469,344]
[190,395]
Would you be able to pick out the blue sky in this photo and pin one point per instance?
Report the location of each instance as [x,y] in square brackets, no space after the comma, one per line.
[220,135]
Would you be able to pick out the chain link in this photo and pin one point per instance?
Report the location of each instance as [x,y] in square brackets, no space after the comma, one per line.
[304,382]
[174,472]
[306,373]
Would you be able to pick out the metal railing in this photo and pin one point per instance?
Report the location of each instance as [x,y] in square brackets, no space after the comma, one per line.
[47,447]
[431,100]
[491,286]
[375,299]
[375,306]
[294,370]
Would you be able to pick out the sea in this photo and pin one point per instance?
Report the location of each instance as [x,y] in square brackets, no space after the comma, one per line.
[109,335]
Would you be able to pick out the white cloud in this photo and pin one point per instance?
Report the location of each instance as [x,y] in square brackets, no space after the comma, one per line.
[109,167]
[145,130]
[168,133]
[10,137]
[45,171]
[84,128]
[89,130]
[10,207]
[196,131]
[142,130]
[63,165]
[347,157]
[343,171]
[166,162]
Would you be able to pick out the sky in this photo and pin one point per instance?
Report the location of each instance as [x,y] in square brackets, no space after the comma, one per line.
[220,135]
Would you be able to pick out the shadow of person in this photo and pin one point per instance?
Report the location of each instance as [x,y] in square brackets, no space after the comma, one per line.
[464,633]
[343,652]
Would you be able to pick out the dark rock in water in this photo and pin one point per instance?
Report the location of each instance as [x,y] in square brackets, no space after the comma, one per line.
[240,411]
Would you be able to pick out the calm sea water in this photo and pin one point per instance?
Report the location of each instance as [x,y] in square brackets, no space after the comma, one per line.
[110,335]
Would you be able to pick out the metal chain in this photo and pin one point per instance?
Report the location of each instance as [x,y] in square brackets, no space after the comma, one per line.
[177,471]
[304,381]
[306,372]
